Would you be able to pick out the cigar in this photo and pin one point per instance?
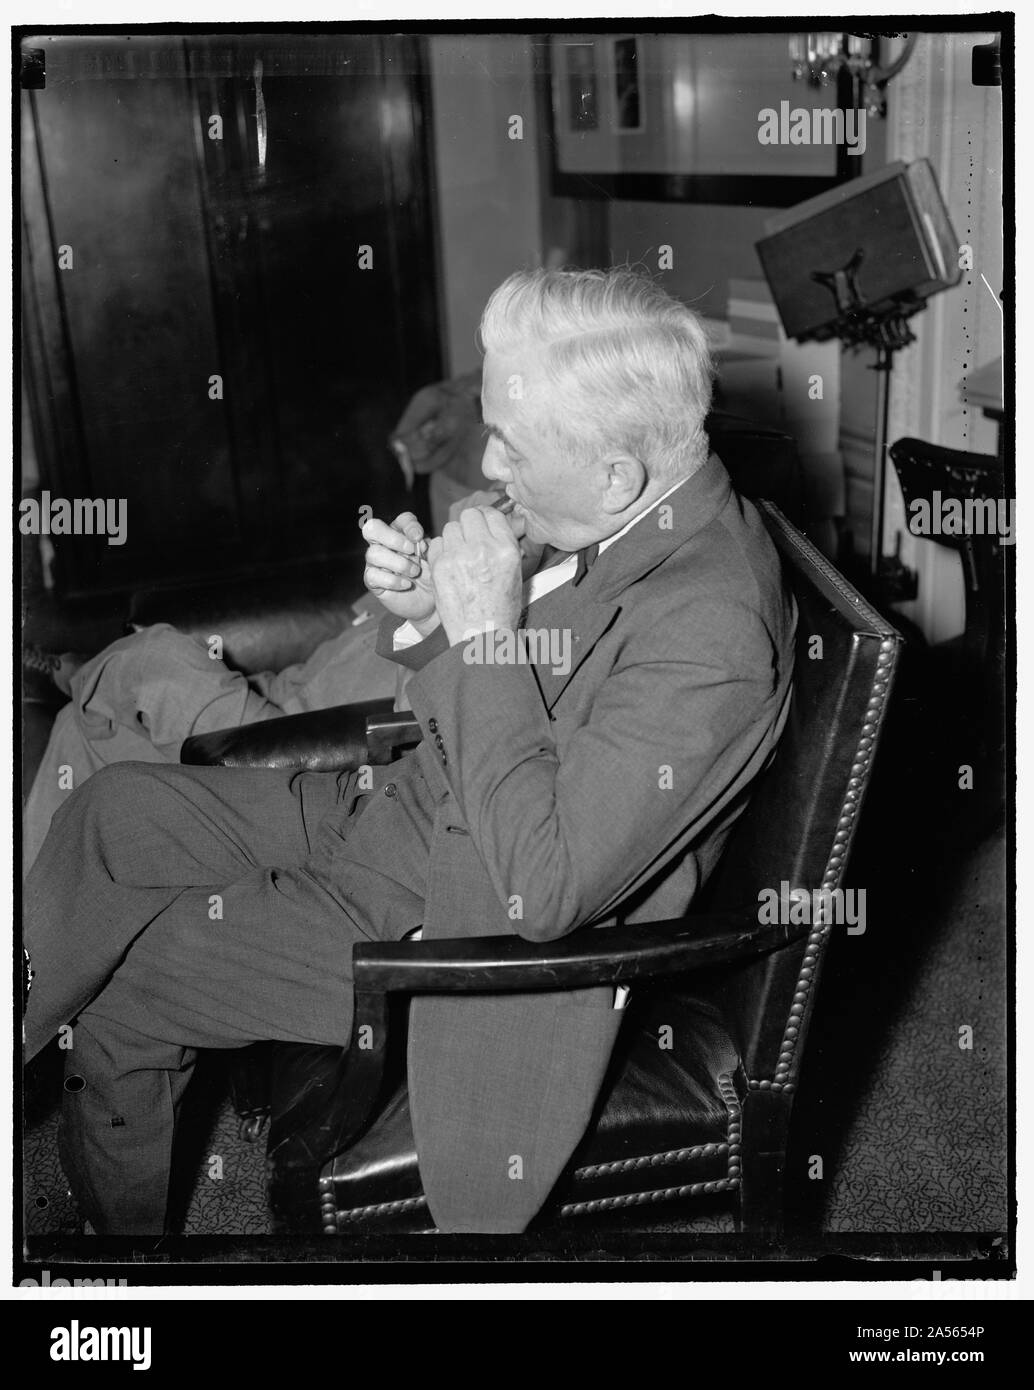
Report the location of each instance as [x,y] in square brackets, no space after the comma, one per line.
[504,505]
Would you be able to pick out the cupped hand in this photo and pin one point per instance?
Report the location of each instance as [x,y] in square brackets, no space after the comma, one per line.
[397,571]
[476,574]
[531,551]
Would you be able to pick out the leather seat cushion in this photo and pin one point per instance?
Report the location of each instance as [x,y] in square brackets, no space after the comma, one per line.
[667,1117]
[266,623]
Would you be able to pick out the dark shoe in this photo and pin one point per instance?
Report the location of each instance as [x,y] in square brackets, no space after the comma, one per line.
[59,667]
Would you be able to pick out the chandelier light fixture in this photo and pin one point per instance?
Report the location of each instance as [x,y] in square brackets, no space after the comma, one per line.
[825,59]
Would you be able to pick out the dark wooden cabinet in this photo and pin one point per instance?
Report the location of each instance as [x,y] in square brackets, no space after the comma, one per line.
[237,258]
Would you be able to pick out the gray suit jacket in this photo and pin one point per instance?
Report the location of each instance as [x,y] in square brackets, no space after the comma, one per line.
[564,801]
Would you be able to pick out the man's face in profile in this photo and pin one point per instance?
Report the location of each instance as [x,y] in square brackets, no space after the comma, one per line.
[557,498]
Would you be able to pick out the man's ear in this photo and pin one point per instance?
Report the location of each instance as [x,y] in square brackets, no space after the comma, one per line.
[624,481]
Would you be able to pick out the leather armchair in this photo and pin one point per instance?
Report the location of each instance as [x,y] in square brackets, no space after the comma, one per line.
[933,474]
[698,1096]
[972,666]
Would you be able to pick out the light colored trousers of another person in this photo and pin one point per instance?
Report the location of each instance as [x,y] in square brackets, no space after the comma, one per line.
[141,697]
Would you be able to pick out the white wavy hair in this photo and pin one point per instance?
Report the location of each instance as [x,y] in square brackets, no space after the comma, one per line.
[633,363]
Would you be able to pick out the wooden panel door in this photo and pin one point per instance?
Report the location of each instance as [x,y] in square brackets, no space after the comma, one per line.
[324,268]
[216,193]
[119,315]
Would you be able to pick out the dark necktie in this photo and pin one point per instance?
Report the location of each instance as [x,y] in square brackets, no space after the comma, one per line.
[586,559]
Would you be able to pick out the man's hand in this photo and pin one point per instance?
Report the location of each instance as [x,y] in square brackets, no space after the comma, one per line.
[476,574]
[396,567]
[531,551]
[441,428]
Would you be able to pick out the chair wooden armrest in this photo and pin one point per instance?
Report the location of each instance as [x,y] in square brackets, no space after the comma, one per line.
[479,965]
[603,956]
[389,733]
[325,740]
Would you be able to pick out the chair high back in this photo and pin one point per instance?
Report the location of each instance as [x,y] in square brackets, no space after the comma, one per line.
[798,826]
[761,462]
[932,475]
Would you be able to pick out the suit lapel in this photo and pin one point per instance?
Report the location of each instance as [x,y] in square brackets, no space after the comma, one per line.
[587,610]
[581,621]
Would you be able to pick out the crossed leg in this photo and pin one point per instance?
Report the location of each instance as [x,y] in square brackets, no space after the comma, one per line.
[154,920]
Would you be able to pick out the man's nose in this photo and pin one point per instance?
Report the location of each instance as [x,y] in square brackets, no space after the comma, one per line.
[493,466]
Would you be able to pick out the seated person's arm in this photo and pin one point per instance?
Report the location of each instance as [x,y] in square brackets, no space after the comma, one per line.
[678,727]
[398,575]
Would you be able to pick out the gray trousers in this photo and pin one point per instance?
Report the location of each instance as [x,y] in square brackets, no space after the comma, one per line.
[175,908]
[138,699]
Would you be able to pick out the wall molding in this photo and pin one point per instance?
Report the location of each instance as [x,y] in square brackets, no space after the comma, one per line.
[935,112]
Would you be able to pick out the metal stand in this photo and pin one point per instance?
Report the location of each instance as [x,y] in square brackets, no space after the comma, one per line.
[882,368]
[886,330]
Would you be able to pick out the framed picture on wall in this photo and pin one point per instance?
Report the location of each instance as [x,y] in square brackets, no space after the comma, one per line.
[714,118]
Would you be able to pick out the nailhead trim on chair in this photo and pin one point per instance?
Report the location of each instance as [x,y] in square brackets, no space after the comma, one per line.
[629,1165]
[819,561]
[834,865]
[663,1194]
[334,1220]
[693,1189]
[841,839]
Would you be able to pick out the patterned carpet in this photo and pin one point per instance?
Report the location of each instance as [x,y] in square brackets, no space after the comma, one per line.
[223,1178]
[926,1149]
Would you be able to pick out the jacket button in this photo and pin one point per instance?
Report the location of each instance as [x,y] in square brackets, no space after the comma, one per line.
[432,724]
[391,789]
[444,759]
[438,741]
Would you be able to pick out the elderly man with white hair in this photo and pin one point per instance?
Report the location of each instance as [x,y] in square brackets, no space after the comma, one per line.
[176,908]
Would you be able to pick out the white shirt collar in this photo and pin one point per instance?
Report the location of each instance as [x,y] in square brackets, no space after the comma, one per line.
[544,581]
[636,519]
